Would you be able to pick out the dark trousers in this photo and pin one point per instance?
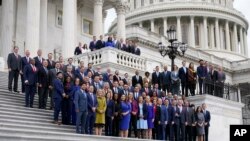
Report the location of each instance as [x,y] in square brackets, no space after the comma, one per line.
[23,84]
[161,130]
[133,124]
[57,109]
[108,126]
[116,126]
[51,98]
[182,132]
[73,113]
[219,89]
[43,96]
[184,89]
[29,95]
[175,88]
[81,119]
[66,111]
[189,134]
[201,83]
[206,133]
[174,132]
[167,132]
[166,88]
[192,89]
[90,123]
[194,133]
[13,74]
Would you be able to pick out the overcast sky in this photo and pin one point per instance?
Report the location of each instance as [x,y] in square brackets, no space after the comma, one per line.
[240,5]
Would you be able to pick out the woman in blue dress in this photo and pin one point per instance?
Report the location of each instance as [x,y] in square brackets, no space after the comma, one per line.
[125,109]
[150,118]
[142,123]
[109,42]
[75,88]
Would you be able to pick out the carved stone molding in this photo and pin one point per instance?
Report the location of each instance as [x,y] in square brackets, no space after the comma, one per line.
[121,6]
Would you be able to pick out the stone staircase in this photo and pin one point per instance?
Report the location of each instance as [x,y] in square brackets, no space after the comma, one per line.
[31,124]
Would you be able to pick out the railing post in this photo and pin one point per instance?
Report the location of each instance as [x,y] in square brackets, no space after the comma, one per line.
[239,95]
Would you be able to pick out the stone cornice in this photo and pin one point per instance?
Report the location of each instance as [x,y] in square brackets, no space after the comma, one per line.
[121,6]
[193,9]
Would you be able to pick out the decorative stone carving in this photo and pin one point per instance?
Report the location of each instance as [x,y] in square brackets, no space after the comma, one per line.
[121,6]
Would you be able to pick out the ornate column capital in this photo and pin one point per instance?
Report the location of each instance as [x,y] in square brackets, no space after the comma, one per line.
[98,2]
[121,6]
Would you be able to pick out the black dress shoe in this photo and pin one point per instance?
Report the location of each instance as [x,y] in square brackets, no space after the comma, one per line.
[31,106]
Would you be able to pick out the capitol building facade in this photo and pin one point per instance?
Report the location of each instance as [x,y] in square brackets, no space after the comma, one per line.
[213,30]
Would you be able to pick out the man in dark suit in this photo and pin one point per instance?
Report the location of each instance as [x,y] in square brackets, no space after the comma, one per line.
[96,83]
[81,105]
[162,119]
[80,74]
[166,79]
[147,89]
[137,50]
[70,63]
[100,43]
[183,74]
[190,122]
[137,79]
[58,95]
[78,49]
[52,77]
[30,80]
[14,67]
[92,104]
[43,81]
[137,93]
[181,121]
[202,74]
[207,120]
[24,61]
[51,63]
[92,44]
[39,59]
[116,89]
[125,79]
[90,69]
[156,77]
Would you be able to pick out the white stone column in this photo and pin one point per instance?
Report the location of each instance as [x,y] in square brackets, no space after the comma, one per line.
[242,50]
[121,26]
[245,43]
[179,37]
[217,33]
[44,26]
[228,45]
[69,23]
[152,25]
[192,34]
[7,28]
[235,46]
[212,36]
[33,26]
[140,24]
[205,40]
[165,26]
[97,23]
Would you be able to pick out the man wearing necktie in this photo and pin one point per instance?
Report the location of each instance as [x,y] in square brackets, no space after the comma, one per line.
[14,67]
[92,104]
[24,61]
[184,77]
[156,78]
[39,59]
[43,80]
[30,80]
[81,105]
[52,77]
[207,120]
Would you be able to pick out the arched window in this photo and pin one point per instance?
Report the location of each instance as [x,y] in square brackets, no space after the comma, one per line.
[142,3]
[184,29]
[197,35]
[161,30]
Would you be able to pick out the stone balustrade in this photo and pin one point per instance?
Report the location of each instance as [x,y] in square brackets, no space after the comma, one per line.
[111,55]
[241,65]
